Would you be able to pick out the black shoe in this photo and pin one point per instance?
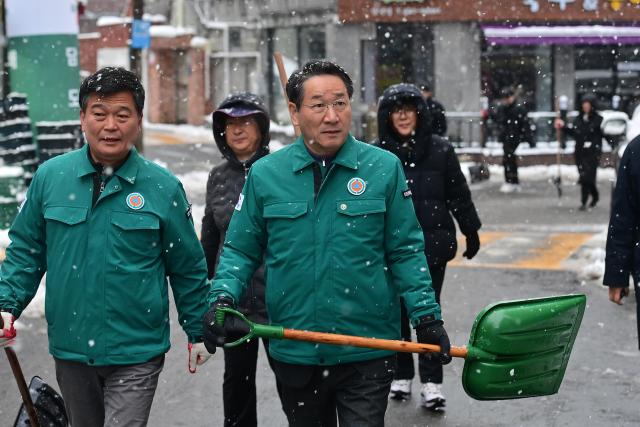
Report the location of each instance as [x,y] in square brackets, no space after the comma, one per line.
[593,203]
[583,207]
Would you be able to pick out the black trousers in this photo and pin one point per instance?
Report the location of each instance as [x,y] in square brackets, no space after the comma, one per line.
[510,163]
[353,394]
[239,385]
[430,370]
[587,170]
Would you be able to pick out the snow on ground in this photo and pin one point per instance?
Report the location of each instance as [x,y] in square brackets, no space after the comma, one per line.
[179,133]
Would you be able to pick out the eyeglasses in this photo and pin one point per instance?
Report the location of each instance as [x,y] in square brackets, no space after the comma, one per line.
[320,108]
[406,109]
[239,123]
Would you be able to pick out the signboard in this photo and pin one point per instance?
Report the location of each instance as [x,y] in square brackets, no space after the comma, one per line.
[42,56]
[140,35]
[585,11]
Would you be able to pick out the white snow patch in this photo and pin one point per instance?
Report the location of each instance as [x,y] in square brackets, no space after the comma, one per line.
[169,31]
[194,181]
[105,21]
[36,306]
[198,42]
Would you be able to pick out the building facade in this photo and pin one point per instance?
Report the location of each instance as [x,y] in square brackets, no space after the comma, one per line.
[465,49]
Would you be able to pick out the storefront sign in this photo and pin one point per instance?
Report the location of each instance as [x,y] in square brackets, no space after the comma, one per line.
[390,11]
[485,11]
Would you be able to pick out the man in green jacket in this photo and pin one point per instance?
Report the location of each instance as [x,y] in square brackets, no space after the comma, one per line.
[109,227]
[334,220]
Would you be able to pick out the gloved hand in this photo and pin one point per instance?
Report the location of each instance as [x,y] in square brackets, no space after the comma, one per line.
[431,331]
[198,355]
[473,245]
[216,335]
[7,331]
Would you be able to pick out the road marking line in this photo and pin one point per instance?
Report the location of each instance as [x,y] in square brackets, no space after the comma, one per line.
[535,251]
[559,247]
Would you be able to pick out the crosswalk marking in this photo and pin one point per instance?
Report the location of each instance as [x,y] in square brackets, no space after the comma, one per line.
[523,250]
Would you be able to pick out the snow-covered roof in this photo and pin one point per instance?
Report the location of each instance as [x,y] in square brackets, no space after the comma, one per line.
[169,31]
[199,42]
[154,19]
[105,21]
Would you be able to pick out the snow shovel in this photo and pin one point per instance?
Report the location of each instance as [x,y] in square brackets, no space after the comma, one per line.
[516,349]
[41,404]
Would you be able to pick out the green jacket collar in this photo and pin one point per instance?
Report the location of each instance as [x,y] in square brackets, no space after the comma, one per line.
[127,171]
[347,155]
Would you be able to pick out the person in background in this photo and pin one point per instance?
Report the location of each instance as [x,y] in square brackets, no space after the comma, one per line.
[514,127]
[333,218]
[439,190]
[586,129]
[435,111]
[241,131]
[111,230]
[622,256]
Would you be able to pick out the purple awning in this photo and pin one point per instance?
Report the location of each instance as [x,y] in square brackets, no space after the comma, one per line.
[578,34]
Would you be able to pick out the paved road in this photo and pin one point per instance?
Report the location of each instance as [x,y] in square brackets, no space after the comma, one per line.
[531,243]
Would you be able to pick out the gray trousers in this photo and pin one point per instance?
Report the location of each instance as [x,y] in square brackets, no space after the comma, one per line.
[102,396]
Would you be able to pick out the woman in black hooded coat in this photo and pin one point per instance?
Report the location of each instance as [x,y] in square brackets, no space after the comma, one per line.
[586,129]
[439,190]
[240,118]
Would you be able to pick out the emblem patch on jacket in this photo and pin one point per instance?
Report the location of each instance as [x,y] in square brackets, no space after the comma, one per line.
[356,186]
[406,194]
[135,201]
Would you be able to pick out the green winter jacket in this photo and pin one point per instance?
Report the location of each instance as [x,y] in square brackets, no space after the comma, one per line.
[107,266]
[337,258]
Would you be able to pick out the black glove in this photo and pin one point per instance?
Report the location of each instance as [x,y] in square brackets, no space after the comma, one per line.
[431,331]
[215,334]
[473,245]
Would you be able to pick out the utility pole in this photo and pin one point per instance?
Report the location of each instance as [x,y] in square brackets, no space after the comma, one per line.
[135,56]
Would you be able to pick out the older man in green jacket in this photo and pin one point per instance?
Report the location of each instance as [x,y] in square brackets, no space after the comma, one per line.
[334,220]
[109,227]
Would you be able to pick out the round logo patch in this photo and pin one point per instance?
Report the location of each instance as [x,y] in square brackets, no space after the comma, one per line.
[356,186]
[135,201]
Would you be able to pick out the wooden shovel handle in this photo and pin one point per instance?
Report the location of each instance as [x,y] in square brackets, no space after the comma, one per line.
[392,345]
[22,386]
[277,56]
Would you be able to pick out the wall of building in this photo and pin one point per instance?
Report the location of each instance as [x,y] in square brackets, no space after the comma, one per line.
[564,72]
[457,65]
[344,43]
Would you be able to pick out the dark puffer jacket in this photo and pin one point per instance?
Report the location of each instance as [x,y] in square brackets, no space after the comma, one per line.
[433,173]
[587,132]
[623,240]
[513,124]
[223,189]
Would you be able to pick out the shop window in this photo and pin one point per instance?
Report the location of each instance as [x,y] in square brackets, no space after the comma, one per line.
[526,67]
[404,54]
[607,71]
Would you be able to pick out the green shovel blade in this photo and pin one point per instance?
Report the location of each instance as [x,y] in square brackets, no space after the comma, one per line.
[521,348]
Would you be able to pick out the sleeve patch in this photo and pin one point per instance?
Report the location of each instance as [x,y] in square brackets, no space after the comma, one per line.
[239,204]
[406,194]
